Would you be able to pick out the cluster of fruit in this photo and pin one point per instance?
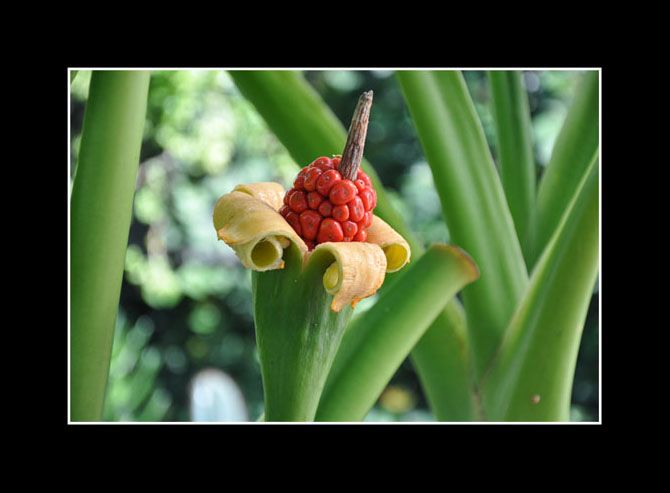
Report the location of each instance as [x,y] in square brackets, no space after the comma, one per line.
[324,206]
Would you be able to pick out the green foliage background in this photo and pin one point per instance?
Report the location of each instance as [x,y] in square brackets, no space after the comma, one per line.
[186,301]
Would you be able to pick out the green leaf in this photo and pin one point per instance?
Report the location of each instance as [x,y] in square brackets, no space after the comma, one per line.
[373,348]
[473,201]
[531,379]
[101,209]
[572,153]
[297,334]
[73,75]
[511,117]
[308,128]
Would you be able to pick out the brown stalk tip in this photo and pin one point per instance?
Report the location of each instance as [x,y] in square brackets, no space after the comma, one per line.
[353,150]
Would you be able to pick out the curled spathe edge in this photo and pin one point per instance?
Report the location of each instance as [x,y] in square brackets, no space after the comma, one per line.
[247,220]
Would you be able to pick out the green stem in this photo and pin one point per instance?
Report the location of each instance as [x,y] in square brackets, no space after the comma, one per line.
[101,210]
[441,359]
[515,149]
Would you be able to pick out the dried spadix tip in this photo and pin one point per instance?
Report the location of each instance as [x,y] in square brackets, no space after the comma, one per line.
[358,129]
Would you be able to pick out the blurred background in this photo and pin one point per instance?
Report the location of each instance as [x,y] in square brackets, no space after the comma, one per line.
[184,347]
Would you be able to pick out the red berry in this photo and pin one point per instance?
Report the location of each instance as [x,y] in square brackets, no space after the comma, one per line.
[310,245]
[347,238]
[349,229]
[342,192]
[309,222]
[356,209]
[294,220]
[311,177]
[283,210]
[330,230]
[360,184]
[314,199]
[323,163]
[363,176]
[340,213]
[367,198]
[326,208]
[362,235]
[299,182]
[297,201]
[326,181]
[368,219]
[336,162]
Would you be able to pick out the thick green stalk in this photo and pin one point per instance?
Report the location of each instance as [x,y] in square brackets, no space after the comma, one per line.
[531,379]
[515,149]
[101,209]
[297,334]
[308,128]
[574,147]
[383,337]
[473,201]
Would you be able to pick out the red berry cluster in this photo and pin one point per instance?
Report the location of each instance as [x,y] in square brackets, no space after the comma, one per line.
[322,206]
